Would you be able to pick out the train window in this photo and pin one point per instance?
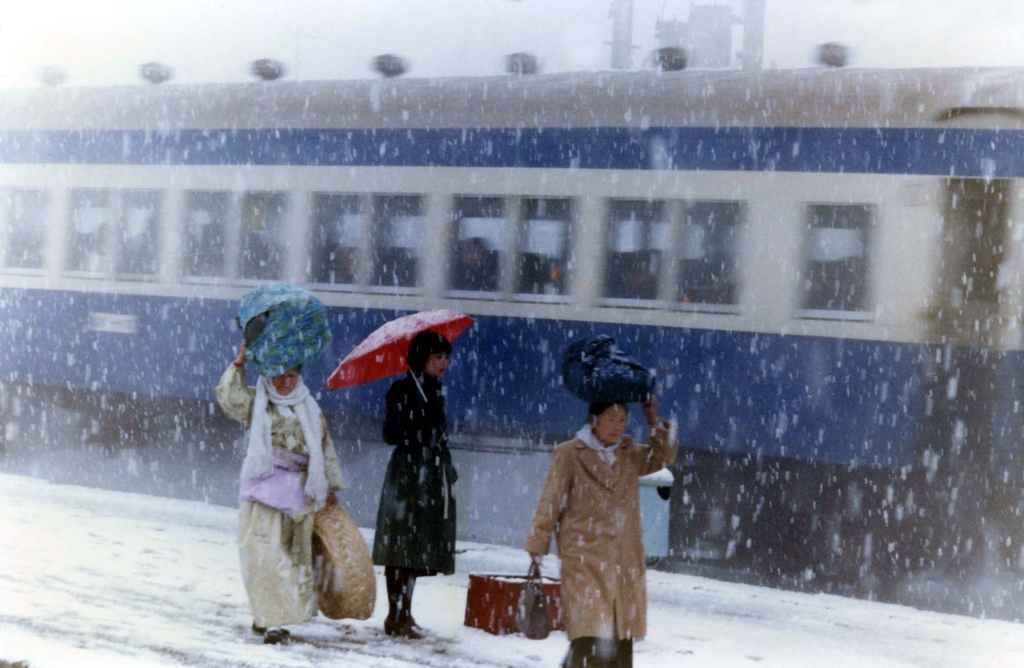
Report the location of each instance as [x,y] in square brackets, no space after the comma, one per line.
[707,253]
[263,242]
[398,225]
[91,218]
[26,229]
[140,233]
[479,229]
[207,217]
[544,246]
[836,257]
[636,240]
[337,225]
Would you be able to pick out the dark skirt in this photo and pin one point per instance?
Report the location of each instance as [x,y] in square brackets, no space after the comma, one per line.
[599,653]
[416,516]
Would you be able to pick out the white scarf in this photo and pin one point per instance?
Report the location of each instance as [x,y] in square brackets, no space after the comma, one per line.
[259,459]
[607,452]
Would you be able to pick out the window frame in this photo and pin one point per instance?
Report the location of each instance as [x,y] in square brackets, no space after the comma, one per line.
[363,234]
[505,204]
[230,211]
[118,232]
[376,232]
[865,314]
[665,216]
[570,239]
[240,263]
[108,243]
[7,218]
[676,262]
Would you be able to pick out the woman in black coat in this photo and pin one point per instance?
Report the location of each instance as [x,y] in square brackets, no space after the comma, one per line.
[416,519]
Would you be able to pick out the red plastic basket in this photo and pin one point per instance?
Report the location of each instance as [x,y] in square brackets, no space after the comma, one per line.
[492,600]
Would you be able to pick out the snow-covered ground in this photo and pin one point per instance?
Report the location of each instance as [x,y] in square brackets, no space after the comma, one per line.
[99,578]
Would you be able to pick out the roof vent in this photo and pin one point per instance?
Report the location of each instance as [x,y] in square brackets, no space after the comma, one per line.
[390,65]
[832,54]
[267,69]
[53,76]
[953,113]
[155,73]
[670,59]
[522,64]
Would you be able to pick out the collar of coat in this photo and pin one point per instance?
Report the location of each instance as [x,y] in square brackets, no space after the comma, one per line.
[589,438]
[595,467]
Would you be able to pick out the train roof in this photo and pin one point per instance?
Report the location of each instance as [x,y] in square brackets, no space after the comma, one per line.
[894,98]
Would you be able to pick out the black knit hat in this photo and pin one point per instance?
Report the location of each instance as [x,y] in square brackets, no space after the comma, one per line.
[423,346]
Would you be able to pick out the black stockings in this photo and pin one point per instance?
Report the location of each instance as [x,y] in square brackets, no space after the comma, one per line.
[400,583]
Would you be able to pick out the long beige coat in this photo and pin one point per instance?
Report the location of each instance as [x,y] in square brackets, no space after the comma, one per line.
[276,551]
[595,511]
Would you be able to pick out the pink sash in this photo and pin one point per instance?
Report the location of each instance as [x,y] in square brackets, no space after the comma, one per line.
[283,489]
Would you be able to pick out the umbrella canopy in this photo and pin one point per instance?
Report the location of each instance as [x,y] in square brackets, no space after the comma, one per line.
[293,330]
[383,353]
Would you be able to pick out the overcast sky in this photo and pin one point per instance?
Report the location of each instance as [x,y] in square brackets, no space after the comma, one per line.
[103,42]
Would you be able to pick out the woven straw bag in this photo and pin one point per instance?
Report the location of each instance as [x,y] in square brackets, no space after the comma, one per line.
[343,569]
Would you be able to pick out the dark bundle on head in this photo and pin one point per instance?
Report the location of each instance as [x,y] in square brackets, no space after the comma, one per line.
[423,346]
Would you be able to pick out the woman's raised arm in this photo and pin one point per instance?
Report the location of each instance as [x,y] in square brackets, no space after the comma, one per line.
[233,392]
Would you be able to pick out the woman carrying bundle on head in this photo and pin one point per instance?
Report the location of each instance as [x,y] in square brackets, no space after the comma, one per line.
[290,468]
[287,432]
[591,500]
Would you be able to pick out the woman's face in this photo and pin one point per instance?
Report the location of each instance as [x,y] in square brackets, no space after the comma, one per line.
[436,365]
[286,382]
[611,425]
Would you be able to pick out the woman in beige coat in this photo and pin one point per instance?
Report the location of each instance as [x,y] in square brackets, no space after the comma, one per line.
[287,429]
[591,499]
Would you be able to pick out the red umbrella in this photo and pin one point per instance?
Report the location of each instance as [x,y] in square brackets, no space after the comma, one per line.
[383,352]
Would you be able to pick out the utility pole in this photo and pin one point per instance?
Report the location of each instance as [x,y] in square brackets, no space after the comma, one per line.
[622,34]
[753,35]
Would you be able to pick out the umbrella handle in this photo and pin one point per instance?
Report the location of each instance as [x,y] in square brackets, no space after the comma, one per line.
[418,386]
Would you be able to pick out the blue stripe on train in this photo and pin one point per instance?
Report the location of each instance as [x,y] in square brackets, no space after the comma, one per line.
[942,152]
[851,402]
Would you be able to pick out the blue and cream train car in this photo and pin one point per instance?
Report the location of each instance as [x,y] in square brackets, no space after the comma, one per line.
[823,266]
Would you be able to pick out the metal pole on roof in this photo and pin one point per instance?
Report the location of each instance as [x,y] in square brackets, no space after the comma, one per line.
[753,34]
[622,34]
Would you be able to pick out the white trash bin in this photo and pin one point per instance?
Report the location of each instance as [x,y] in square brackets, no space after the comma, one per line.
[654,512]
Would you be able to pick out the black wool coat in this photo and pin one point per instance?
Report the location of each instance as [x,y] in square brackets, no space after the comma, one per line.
[416,516]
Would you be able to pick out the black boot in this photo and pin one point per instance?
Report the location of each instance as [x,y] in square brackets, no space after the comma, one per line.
[399,621]
[413,629]
[275,635]
[393,578]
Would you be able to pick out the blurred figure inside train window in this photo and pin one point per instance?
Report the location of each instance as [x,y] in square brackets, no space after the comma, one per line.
[543,246]
[637,238]
[476,266]
[480,240]
[707,255]
[263,222]
[26,229]
[836,257]
[207,215]
[91,217]
[337,226]
[139,233]
[398,225]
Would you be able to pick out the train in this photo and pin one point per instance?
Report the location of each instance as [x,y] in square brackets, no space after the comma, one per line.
[823,266]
